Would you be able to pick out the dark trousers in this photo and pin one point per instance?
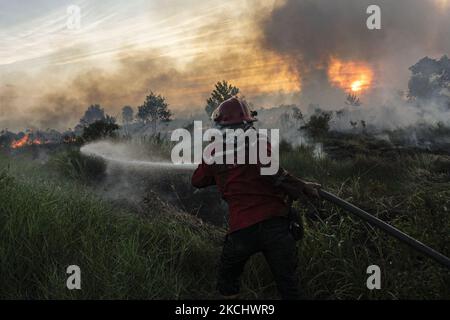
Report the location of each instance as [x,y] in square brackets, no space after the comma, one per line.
[273,239]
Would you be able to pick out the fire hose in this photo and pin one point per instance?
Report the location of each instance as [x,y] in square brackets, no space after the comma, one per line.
[374,221]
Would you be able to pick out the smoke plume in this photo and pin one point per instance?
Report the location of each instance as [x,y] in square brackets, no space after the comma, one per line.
[313,32]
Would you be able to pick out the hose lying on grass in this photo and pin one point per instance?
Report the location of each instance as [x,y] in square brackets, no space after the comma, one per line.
[403,237]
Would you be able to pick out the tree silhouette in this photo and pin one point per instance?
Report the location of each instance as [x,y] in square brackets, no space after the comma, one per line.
[127,114]
[318,124]
[155,109]
[105,128]
[297,114]
[363,124]
[353,100]
[430,79]
[222,91]
[93,113]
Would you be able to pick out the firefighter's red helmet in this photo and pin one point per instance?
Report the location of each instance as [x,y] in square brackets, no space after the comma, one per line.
[233,111]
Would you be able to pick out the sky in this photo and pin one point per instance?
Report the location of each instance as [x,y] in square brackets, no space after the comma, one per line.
[123,50]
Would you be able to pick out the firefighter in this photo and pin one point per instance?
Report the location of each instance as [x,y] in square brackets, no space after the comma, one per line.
[259,218]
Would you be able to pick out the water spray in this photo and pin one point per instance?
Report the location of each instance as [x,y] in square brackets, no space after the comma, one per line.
[111,154]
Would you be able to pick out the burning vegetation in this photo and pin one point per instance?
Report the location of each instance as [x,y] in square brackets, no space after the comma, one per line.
[157,238]
[408,189]
[10,140]
[350,76]
[26,140]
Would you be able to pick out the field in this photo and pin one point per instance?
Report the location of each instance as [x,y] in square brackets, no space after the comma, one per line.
[53,214]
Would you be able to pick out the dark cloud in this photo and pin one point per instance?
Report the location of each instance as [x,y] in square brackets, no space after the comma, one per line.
[299,35]
[312,31]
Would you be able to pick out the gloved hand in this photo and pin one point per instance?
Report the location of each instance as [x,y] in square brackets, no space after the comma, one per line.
[311,189]
[293,186]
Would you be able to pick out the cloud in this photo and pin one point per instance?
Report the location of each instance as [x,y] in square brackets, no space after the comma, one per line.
[116,62]
[270,53]
[57,97]
[311,32]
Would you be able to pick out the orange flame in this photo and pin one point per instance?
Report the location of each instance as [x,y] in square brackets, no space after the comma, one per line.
[350,76]
[20,143]
[25,140]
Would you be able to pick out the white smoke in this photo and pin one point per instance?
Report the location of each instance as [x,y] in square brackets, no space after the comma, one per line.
[127,155]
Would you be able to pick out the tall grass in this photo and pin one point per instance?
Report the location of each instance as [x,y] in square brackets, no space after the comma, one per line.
[410,192]
[46,228]
[74,165]
[48,222]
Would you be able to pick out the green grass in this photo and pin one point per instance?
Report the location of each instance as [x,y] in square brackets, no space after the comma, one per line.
[46,228]
[411,192]
[48,222]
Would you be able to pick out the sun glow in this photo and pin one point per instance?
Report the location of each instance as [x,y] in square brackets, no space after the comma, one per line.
[443,4]
[350,76]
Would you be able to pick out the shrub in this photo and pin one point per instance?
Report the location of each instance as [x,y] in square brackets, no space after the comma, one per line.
[75,165]
[105,128]
[318,124]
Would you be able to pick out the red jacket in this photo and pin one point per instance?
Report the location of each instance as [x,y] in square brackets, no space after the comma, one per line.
[251,197]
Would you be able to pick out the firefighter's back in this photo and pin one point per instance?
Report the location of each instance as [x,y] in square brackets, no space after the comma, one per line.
[251,197]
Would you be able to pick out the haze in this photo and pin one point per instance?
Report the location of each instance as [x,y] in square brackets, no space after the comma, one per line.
[276,52]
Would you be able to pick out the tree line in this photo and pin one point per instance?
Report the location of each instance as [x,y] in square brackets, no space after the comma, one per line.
[96,124]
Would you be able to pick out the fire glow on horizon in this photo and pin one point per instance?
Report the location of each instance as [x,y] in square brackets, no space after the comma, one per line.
[351,76]
[25,141]
[275,52]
